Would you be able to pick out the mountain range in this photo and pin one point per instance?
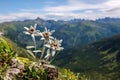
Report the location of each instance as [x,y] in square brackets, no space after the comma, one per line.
[74,32]
[90,46]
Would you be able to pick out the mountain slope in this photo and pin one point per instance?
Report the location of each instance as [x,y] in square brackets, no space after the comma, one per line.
[102,56]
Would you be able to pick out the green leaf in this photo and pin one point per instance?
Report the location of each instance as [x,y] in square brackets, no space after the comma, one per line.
[31,53]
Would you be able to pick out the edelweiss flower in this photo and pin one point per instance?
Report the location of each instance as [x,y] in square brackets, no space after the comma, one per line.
[31,30]
[55,44]
[47,34]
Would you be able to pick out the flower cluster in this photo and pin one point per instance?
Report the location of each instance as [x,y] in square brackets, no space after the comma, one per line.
[50,44]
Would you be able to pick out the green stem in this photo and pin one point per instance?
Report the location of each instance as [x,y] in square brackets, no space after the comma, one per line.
[43,50]
[34,41]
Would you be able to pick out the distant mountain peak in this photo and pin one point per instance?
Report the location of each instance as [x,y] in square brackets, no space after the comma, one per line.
[39,19]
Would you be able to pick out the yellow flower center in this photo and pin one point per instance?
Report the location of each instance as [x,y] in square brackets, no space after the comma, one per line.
[31,31]
[55,45]
[46,35]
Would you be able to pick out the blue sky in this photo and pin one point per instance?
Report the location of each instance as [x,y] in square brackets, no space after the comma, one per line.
[58,9]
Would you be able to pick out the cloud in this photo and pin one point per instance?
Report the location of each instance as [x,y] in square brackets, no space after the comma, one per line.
[74,5]
[114,9]
[30,10]
[72,9]
[86,10]
[19,16]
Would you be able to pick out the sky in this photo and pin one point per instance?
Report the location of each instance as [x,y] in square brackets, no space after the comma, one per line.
[13,10]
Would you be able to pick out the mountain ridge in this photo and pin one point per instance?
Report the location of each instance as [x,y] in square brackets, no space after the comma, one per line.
[102,56]
[77,31]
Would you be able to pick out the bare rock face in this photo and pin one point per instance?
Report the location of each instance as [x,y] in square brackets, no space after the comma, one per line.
[52,73]
[16,68]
